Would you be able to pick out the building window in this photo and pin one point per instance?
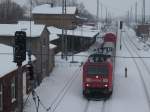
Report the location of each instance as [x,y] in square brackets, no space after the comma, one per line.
[1,97]
[13,90]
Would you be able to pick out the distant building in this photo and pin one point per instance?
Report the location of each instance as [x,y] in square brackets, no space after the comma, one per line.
[39,42]
[52,16]
[77,40]
[8,79]
[143,30]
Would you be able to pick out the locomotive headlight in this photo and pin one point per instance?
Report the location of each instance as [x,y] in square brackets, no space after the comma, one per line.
[97,76]
[87,85]
[105,80]
[105,85]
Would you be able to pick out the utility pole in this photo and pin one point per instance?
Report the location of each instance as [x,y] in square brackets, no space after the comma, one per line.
[136,13]
[72,46]
[120,27]
[109,17]
[106,15]
[131,15]
[128,18]
[64,31]
[66,47]
[62,37]
[97,12]
[101,11]
[143,12]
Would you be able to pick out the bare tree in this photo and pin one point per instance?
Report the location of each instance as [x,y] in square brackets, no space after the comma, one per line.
[10,12]
[55,2]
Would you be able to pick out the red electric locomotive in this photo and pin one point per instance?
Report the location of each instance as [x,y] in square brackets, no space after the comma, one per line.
[98,70]
[110,37]
[97,76]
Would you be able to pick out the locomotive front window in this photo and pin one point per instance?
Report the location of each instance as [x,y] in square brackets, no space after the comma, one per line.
[93,70]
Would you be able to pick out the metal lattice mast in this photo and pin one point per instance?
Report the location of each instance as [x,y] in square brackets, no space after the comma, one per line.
[66,51]
[62,37]
[136,13]
[101,11]
[97,13]
[131,16]
[143,12]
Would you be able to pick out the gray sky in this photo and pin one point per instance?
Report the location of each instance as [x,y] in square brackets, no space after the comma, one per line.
[116,7]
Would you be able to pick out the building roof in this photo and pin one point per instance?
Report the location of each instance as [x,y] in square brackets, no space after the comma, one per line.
[52,46]
[54,32]
[10,29]
[83,33]
[48,9]
[6,58]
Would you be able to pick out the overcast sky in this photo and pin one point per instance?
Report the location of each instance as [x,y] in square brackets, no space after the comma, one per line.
[116,7]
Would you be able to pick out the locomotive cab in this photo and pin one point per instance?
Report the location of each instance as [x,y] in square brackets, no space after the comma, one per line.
[97,79]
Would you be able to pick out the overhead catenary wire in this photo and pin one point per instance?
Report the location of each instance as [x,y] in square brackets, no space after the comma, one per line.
[84,55]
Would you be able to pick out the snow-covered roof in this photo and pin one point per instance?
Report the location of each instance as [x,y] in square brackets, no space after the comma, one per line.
[82,33]
[77,32]
[52,46]
[6,58]
[48,9]
[82,18]
[53,33]
[10,29]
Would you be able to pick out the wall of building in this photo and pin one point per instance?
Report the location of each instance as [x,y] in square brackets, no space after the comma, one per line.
[52,59]
[45,52]
[8,105]
[143,30]
[67,21]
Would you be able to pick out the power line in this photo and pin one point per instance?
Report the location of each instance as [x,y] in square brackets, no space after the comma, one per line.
[82,55]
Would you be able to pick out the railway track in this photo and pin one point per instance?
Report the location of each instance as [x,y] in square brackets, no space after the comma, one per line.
[96,106]
[142,60]
[56,102]
[86,106]
[138,68]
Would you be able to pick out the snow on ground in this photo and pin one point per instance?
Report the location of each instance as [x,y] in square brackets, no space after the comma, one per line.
[62,90]
[128,94]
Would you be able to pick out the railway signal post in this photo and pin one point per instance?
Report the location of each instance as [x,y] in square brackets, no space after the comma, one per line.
[125,72]
[19,57]
[121,26]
